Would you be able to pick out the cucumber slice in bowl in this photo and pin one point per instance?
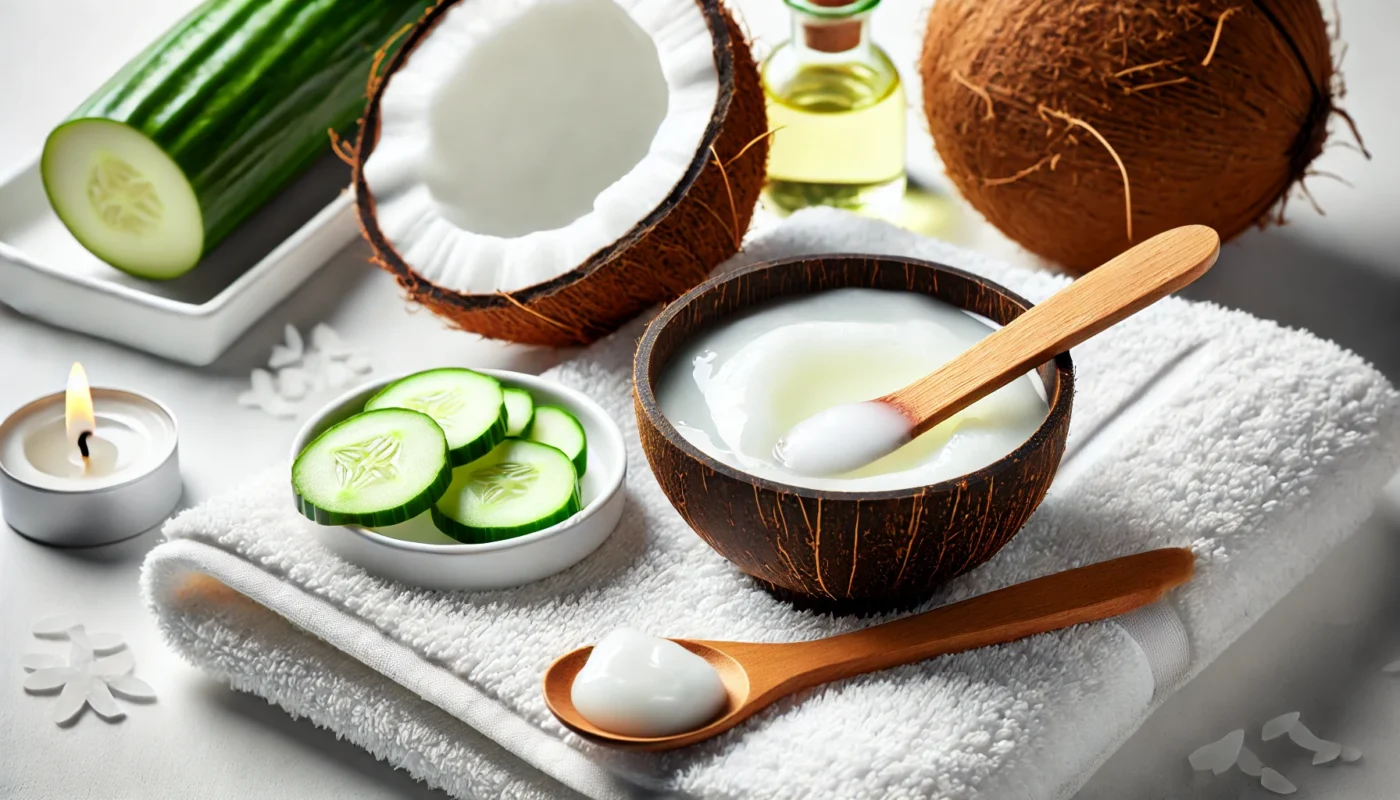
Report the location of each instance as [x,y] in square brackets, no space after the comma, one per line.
[559,429]
[426,557]
[518,488]
[375,469]
[469,406]
[520,411]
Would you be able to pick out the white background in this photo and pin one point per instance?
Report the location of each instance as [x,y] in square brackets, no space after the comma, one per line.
[1319,652]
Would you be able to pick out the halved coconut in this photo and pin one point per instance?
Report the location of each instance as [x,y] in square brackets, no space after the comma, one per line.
[543,170]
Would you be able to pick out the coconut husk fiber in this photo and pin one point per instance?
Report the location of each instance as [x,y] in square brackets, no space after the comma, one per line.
[671,250]
[1079,128]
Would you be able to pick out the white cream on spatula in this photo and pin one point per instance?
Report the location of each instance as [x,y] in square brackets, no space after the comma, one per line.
[843,438]
[846,437]
[636,684]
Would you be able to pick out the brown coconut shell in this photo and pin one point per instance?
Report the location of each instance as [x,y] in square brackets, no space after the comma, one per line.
[699,225]
[1047,115]
[845,551]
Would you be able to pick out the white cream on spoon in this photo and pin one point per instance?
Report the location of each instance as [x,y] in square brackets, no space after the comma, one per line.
[635,684]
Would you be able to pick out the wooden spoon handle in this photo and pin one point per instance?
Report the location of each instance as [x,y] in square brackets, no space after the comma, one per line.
[1086,594]
[1128,283]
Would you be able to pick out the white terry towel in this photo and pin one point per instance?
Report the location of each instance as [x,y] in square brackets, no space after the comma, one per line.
[1258,447]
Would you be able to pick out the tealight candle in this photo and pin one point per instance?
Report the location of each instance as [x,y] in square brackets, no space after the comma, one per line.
[88,466]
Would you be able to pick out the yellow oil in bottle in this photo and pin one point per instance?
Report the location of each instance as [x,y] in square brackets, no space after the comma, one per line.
[839,131]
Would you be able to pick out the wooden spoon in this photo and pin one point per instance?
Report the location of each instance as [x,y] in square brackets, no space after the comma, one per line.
[823,444]
[755,675]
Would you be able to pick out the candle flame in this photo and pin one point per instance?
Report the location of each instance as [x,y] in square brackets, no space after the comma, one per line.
[78,405]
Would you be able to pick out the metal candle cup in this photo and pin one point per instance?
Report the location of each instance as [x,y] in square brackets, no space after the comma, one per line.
[124,480]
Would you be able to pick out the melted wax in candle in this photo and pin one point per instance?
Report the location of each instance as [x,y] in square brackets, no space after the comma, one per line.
[50,451]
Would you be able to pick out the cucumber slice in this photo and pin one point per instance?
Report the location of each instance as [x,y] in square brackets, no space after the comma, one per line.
[123,198]
[469,406]
[517,488]
[520,411]
[558,428]
[378,468]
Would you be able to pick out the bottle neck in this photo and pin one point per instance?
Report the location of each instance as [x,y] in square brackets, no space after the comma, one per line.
[827,39]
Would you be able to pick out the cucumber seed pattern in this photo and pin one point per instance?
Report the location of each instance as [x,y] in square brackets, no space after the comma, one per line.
[122,197]
[441,405]
[500,482]
[369,462]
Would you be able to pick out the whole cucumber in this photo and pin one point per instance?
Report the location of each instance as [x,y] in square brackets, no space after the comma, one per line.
[211,121]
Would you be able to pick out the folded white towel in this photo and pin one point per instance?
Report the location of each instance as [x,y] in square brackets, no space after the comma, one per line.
[1258,447]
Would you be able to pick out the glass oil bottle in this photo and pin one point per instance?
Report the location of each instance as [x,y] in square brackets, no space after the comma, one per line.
[837,106]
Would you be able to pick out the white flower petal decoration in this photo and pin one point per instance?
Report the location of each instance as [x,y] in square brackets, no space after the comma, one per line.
[103,643]
[79,656]
[338,375]
[1249,763]
[262,388]
[83,679]
[1323,751]
[264,395]
[293,383]
[359,365]
[35,661]
[285,355]
[1327,753]
[1276,783]
[49,679]
[1280,725]
[55,627]
[72,699]
[1351,755]
[315,366]
[131,687]
[1393,668]
[96,642]
[101,700]
[325,339]
[280,408]
[112,666]
[1220,754]
[302,369]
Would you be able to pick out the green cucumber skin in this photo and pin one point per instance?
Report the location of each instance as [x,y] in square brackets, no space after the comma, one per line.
[580,460]
[240,93]
[405,511]
[380,519]
[471,451]
[480,447]
[528,422]
[467,534]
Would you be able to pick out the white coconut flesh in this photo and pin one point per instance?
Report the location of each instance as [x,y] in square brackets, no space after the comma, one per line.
[522,136]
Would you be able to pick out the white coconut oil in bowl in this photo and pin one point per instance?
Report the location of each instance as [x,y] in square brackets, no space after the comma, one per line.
[733,391]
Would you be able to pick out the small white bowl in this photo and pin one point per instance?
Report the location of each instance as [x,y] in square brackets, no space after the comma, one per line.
[420,555]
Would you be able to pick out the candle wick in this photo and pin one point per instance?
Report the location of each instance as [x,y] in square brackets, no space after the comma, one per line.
[83,444]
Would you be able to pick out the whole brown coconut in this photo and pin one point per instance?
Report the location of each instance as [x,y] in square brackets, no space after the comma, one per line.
[1078,128]
[698,226]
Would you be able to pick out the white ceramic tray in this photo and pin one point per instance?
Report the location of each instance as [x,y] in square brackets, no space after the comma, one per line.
[46,274]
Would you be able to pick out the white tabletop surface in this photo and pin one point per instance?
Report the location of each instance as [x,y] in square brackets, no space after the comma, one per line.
[1319,652]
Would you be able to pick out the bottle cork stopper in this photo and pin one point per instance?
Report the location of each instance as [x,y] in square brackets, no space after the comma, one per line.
[831,36]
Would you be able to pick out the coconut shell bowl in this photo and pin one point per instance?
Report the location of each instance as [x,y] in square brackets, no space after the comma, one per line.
[846,551]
